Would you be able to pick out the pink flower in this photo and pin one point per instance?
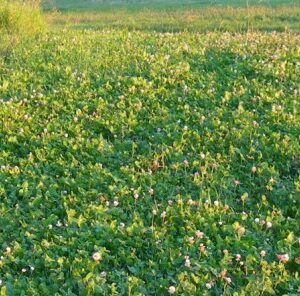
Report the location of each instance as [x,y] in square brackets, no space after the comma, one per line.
[202,248]
[228,280]
[199,234]
[191,239]
[226,207]
[297,260]
[196,174]
[241,230]
[283,258]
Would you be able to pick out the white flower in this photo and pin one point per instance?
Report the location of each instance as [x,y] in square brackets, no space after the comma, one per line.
[216,203]
[163,214]
[50,226]
[103,274]
[187,262]
[122,225]
[136,195]
[32,268]
[269,224]
[8,249]
[262,253]
[116,203]
[256,220]
[272,180]
[172,290]
[151,191]
[237,182]
[208,286]
[58,224]
[190,202]
[185,128]
[96,256]
[24,270]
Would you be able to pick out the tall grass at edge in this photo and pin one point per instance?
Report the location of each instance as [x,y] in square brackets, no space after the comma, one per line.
[19,19]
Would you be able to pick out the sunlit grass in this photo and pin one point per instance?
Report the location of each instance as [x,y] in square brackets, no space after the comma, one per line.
[231,19]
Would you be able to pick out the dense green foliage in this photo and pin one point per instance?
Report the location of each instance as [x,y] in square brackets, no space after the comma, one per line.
[145,160]
[137,163]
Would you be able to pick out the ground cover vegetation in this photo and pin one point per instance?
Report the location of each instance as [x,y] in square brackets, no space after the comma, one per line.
[142,162]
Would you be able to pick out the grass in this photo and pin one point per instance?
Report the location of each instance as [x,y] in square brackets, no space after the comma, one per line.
[180,16]
[143,157]
[205,20]
[19,20]
[92,5]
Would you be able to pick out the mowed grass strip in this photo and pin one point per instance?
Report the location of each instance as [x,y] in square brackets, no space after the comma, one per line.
[231,19]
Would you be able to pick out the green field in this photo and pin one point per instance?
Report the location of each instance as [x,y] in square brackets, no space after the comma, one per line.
[148,151]
[158,4]
[171,16]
